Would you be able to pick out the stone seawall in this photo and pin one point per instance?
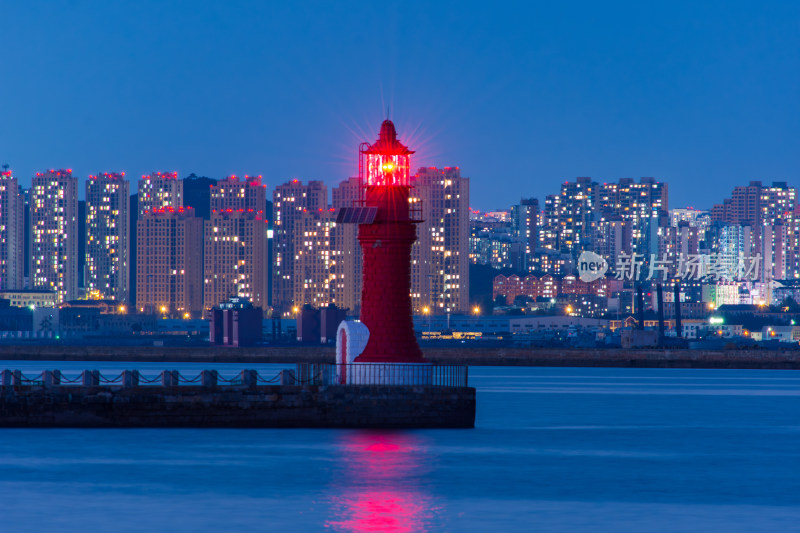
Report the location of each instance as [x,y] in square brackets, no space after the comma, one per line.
[276,406]
[472,355]
[637,358]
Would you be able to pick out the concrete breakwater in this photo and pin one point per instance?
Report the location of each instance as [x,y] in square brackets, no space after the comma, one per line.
[466,355]
[47,402]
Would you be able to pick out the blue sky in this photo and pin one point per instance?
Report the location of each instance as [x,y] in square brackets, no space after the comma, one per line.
[521,96]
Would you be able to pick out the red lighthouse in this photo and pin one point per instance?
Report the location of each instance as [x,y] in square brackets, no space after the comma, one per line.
[386,243]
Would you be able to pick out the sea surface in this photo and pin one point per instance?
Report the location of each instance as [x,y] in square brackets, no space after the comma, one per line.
[554,449]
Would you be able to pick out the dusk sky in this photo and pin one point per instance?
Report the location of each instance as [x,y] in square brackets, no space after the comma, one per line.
[702,95]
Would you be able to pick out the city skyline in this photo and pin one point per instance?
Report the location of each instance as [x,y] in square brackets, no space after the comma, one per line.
[710,204]
[528,95]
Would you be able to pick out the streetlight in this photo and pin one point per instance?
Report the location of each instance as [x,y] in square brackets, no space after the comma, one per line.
[476,310]
[427,312]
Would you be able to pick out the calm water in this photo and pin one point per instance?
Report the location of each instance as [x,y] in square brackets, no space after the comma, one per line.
[567,449]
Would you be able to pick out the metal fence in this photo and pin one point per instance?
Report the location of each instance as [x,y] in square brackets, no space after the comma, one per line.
[323,374]
[383,374]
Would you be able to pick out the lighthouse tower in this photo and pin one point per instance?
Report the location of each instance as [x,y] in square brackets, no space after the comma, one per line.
[381,346]
[386,247]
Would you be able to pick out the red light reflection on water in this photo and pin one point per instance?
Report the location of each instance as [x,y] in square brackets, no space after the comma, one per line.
[379,486]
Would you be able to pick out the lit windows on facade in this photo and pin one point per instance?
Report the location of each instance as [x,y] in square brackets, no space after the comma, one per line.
[169,269]
[235,257]
[107,236]
[12,237]
[160,190]
[289,201]
[440,257]
[54,233]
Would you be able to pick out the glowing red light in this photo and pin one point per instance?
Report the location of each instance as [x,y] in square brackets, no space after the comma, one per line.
[387,161]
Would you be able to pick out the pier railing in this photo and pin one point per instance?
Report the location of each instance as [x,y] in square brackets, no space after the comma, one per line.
[321,374]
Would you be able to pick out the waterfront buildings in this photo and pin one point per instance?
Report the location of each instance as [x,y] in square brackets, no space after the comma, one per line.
[495,240]
[327,270]
[235,255]
[236,241]
[318,262]
[587,215]
[289,200]
[348,276]
[54,233]
[12,233]
[107,236]
[169,268]
[440,257]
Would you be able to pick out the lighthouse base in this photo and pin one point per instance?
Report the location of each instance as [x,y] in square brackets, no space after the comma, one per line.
[386,373]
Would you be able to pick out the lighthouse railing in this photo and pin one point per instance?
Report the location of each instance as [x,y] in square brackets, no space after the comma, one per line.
[387,374]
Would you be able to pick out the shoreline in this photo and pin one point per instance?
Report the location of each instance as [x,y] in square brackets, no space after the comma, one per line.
[473,356]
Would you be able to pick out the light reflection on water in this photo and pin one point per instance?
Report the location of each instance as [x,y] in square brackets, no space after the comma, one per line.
[380,488]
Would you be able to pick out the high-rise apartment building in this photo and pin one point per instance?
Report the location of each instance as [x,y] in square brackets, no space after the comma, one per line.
[12,233]
[235,254]
[349,263]
[568,216]
[773,251]
[677,241]
[248,194]
[440,257]
[160,190]
[792,223]
[612,236]
[289,201]
[585,211]
[756,204]
[644,204]
[320,274]
[525,223]
[769,212]
[107,236]
[169,269]
[549,235]
[54,233]
[236,242]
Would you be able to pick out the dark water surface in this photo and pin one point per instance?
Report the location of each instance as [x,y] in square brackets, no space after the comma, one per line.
[554,449]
